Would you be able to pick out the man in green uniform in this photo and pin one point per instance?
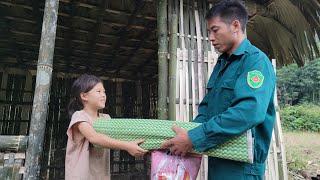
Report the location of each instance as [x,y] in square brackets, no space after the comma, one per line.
[239,98]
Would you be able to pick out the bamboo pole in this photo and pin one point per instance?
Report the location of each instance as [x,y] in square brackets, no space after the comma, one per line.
[194,61]
[199,64]
[41,95]
[173,66]
[283,171]
[181,76]
[189,62]
[275,171]
[204,44]
[184,68]
[13,143]
[189,51]
[162,59]
[173,7]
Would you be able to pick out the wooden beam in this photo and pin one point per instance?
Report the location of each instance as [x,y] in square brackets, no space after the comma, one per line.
[103,73]
[62,26]
[12,43]
[116,11]
[68,39]
[143,36]
[78,54]
[76,31]
[109,23]
[81,42]
[97,28]
[74,70]
[142,66]
[123,32]
[13,143]
[37,15]
[30,55]
[42,89]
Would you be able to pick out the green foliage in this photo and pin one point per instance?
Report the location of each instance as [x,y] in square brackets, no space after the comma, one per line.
[305,117]
[299,85]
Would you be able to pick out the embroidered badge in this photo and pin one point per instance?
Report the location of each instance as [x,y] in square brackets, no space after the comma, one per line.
[255,79]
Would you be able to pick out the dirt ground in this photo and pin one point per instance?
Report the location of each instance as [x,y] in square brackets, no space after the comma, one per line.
[303,153]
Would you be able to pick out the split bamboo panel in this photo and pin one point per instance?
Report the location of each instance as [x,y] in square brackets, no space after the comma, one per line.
[195,62]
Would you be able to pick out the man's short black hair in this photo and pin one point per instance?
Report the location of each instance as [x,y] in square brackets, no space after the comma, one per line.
[228,11]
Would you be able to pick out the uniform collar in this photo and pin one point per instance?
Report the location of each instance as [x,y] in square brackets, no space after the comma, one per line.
[241,50]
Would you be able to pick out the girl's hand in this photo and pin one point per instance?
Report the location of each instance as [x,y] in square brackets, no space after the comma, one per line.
[134,149]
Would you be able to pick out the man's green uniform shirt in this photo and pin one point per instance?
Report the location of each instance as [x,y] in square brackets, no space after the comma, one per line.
[240,97]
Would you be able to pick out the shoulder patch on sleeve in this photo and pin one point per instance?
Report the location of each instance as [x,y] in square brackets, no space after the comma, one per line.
[255,79]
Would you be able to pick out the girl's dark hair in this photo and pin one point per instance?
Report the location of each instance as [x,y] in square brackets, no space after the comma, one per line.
[82,84]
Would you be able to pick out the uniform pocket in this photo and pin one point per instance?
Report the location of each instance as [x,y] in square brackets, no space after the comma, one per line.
[227,90]
[228,84]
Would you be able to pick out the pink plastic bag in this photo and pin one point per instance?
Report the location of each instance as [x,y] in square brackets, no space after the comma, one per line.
[169,167]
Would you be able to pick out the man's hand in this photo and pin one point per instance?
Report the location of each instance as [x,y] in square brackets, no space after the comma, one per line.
[180,144]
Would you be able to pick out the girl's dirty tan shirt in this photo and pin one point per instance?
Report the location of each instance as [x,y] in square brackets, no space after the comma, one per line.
[83,161]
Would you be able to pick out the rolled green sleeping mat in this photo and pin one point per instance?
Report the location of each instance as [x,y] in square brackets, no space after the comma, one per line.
[155,132]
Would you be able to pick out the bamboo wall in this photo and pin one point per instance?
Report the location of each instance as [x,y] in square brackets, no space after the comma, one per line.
[15,102]
[195,58]
[15,111]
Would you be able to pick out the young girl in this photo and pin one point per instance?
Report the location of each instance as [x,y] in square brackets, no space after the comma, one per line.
[83,161]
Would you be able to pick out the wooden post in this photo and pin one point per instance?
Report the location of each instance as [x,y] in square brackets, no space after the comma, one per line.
[42,90]
[162,59]
[173,66]
[13,143]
